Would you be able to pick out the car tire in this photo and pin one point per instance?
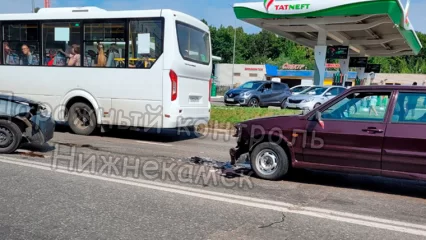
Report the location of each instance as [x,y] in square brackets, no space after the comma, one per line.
[10,137]
[317,105]
[82,119]
[266,154]
[283,104]
[253,102]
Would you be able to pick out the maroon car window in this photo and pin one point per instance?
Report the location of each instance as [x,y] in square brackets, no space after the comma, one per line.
[359,106]
[410,108]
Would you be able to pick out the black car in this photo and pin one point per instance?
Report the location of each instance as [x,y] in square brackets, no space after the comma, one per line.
[23,120]
[258,94]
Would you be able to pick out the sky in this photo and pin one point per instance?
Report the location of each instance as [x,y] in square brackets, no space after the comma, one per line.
[216,12]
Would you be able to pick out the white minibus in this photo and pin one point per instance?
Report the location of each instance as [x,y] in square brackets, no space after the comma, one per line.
[92,68]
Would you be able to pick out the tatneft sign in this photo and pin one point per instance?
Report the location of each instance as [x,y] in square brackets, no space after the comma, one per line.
[285,7]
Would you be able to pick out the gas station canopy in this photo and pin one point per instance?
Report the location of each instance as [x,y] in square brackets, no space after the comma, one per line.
[368,27]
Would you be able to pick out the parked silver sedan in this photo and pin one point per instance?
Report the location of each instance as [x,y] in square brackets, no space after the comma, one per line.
[296,90]
[313,97]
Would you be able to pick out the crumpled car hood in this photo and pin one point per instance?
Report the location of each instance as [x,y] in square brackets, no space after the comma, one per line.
[17,99]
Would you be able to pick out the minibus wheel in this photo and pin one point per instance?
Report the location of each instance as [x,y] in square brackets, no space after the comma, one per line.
[82,119]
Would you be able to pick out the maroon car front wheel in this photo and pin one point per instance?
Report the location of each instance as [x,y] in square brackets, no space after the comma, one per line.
[269,161]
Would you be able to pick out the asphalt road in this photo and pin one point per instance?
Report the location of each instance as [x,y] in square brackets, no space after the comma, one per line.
[137,185]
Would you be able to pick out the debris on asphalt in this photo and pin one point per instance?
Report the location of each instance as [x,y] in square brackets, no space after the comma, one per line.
[227,165]
[245,165]
[197,160]
[226,169]
[31,154]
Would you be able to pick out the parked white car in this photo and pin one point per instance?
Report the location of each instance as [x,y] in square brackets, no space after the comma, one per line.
[313,97]
[296,90]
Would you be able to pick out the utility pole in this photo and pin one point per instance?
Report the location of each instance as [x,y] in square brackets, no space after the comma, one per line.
[233,58]
[33,6]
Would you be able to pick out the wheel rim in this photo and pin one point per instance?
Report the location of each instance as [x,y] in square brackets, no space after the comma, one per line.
[254,102]
[6,137]
[267,162]
[82,119]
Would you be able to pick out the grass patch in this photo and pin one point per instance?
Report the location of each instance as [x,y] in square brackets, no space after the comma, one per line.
[226,117]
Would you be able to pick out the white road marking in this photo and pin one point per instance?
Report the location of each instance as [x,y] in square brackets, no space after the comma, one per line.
[368,221]
[155,143]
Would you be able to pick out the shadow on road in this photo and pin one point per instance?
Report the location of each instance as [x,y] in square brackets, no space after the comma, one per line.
[410,188]
[151,134]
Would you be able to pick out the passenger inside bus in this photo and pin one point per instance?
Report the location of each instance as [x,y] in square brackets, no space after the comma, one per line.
[111,58]
[68,51]
[102,61]
[103,55]
[113,53]
[74,60]
[50,58]
[59,57]
[27,57]
[9,58]
[90,58]
[56,58]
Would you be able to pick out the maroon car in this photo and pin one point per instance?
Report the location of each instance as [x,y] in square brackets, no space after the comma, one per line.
[376,130]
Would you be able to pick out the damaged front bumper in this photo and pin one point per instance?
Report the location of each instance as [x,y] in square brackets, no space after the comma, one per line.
[39,130]
[34,120]
[235,154]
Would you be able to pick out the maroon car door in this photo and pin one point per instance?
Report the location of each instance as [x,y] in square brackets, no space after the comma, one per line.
[353,134]
[404,148]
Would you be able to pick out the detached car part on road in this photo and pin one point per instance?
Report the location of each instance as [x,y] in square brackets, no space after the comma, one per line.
[23,120]
[375,130]
[258,94]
